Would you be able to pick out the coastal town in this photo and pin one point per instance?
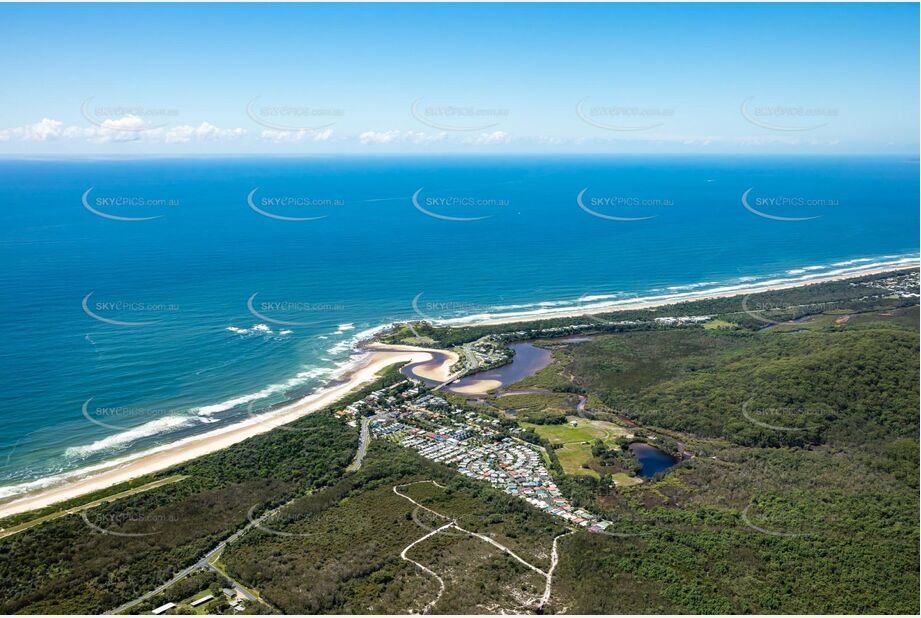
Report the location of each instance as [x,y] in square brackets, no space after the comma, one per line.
[409,415]
[902,285]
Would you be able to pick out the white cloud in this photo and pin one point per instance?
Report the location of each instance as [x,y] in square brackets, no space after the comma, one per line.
[496,137]
[405,137]
[421,137]
[128,128]
[379,137]
[204,132]
[301,135]
[41,131]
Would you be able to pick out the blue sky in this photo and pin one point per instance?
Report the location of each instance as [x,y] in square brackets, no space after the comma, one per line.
[429,78]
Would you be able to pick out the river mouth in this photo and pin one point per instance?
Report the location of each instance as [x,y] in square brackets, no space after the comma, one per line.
[528,360]
[412,370]
[651,459]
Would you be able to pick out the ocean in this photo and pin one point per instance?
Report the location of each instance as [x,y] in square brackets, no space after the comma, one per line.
[149,299]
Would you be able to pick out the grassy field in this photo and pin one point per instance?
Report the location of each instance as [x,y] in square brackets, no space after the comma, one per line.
[586,430]
[575,452]
[831,320]
[574,458]
[560,403]
[623,479]
[717,324]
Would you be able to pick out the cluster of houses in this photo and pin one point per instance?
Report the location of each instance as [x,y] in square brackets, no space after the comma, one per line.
[391,397]
[683,320]
[488,351]
[474,445]
[904,285]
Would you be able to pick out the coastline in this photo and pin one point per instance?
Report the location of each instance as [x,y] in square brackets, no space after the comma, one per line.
[371,359]
[79,483]
[651,302]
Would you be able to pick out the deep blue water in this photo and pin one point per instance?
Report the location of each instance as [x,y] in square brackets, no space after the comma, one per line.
[511,236]
[651,460]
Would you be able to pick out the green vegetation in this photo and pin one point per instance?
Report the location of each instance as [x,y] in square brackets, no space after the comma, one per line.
[33,518]
[575,459]
[849,385]
[66,565]
[801,496]
[339,549]
[8,523]
[188,589]
[591,448]
[858,294]
[820,518]
[823,520]
[586,430]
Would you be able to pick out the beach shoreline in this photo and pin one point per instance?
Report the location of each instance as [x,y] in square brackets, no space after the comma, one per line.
[653,302]
[371,359]
[79,483]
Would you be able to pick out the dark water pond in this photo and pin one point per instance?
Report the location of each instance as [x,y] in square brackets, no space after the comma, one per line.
[651,460]
[528,360]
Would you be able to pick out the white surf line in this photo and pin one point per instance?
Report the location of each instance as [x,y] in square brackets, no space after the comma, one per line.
[554,559]
[441,582]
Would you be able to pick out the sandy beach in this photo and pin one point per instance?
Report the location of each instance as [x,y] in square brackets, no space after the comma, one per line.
[670,299]
[432,364]
[377,358]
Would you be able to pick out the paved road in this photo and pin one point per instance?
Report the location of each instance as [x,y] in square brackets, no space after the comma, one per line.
[204,563]
[364,439]
[472,363]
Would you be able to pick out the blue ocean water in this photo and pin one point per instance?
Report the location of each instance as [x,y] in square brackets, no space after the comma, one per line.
[237,283]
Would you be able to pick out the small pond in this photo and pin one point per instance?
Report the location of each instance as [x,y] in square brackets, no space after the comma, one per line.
[651,460]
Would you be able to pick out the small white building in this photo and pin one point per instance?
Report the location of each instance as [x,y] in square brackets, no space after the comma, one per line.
[204,599]
[163,608]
